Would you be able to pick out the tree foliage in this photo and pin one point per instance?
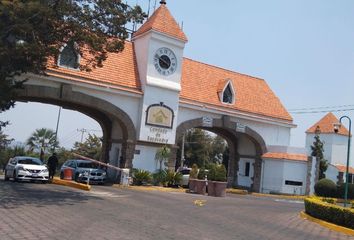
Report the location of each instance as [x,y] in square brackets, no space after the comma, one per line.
[42,140]
[33,32]
[91,147]
[162,155]
[317,151]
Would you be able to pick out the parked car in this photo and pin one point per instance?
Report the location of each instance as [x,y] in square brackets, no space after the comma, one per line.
[26,168]
[185,176]
[84,170]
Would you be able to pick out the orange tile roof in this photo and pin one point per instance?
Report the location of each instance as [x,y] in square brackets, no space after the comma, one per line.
[326,125]
[120,69]
[342,168]
[162,21]
[285,156]
[201,82]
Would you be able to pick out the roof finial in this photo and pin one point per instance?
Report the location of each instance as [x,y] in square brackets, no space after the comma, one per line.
[163,2]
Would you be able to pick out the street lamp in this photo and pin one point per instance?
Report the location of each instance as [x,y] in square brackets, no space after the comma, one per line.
[336,129]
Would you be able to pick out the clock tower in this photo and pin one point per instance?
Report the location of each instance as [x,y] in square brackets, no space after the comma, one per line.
[158,46]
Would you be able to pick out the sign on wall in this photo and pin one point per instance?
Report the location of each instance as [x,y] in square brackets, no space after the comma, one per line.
[159,115]
[207,121]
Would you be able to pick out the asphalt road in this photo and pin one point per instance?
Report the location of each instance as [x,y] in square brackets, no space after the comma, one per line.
[47,211]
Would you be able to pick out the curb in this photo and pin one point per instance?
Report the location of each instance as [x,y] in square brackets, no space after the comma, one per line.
[331,226]
[236,191]
[151,188]
[72,184]
[299,197]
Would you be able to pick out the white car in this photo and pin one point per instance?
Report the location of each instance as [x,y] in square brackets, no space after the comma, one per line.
[185,176]
[26,168]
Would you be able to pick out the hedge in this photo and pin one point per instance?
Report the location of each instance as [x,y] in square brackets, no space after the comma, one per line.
[326,188]
[317,208]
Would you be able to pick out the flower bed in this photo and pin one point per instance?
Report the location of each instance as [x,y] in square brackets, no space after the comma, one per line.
[321,209]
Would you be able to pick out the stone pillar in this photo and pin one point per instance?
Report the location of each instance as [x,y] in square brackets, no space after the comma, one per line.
[128,149]
[257,166]
[172,159]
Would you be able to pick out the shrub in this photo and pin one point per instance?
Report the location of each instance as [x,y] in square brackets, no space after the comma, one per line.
[217,172]
[167,178]
[173,178]
[202,174]
[193,174]
[341,190]
[325,188]
[159,178]
[141,177]
[315,207]
[330,200]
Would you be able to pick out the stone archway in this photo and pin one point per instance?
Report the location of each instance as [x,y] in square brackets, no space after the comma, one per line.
[102,111]
[228,130]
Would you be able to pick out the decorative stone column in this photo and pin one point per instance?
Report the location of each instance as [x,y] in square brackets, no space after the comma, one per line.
[257,166]
[128,148]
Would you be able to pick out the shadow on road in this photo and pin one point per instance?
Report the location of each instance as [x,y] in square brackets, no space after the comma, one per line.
[13,195]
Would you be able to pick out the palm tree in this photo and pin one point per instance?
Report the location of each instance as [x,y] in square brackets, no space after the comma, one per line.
[42,139]
[162,155]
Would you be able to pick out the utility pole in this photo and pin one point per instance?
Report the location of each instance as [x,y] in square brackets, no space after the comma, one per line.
[182,151]
[82,130]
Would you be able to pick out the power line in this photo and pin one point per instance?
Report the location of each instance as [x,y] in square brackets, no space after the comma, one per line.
[322,111]
[325,107]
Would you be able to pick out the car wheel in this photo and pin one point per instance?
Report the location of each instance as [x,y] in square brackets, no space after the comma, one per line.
[14,177]
[6,177]
[76,177]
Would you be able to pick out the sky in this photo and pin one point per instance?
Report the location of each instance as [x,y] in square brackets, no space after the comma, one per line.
[303,49]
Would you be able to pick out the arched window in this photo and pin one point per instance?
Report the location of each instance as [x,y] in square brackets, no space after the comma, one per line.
[228,96]
[69,58]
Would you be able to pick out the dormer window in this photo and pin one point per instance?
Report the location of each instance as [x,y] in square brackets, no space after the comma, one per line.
[227,95]
[226,92]
[69,57]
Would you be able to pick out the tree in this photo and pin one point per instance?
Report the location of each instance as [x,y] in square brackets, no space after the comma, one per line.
[4,140]
[317,151]
[162,155]
[42,139]
[91,148]
[33,32]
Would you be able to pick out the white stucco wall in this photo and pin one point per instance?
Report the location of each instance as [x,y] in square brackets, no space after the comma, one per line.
[276,172]
[146,158]
[332,173]
[272,176]
[294,171]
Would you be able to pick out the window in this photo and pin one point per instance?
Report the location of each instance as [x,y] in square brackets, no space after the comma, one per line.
[293,183]
[350,178]
[227,95]
[247,169]
[69,57]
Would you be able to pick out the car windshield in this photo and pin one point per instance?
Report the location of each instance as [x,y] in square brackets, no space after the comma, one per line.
[32,161]
[87,165]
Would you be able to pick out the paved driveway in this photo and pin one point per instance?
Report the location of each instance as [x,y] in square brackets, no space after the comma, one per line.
[38,211]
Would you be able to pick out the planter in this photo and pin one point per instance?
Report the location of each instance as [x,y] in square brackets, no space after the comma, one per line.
[200,186]
[220,189]
[211,188]
[217,189]
[192,183]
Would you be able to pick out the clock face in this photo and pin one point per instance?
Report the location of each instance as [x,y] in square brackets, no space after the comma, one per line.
[165,61]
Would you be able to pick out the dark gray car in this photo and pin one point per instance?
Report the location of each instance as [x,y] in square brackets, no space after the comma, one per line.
[84,170]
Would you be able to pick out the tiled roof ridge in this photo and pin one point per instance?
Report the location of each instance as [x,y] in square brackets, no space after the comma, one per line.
[223,68]
[55,72]
[326,125]
[162,13]
[231,107]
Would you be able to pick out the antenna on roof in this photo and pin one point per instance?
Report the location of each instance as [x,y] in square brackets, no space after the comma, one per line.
[163,2]
[149,9]
[155,6]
